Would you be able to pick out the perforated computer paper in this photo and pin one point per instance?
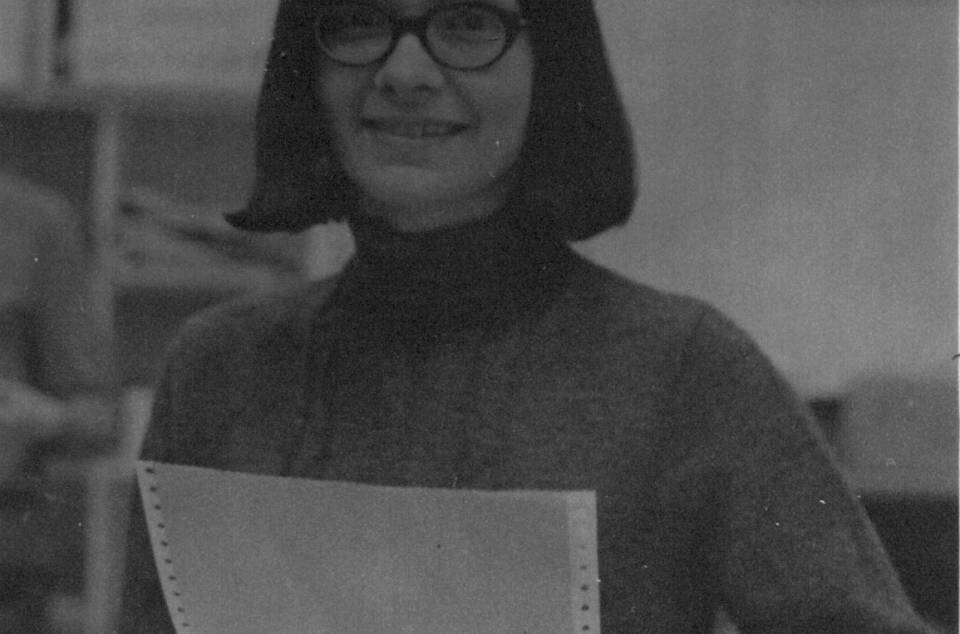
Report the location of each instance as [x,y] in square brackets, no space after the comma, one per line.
[249,554]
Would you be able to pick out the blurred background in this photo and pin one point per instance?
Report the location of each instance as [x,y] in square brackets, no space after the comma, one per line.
[798,168]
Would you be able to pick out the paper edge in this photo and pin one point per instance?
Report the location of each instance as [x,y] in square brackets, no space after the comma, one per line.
[584,564]
[160,544]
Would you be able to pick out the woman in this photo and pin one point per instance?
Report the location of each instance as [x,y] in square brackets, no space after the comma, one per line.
[466,346]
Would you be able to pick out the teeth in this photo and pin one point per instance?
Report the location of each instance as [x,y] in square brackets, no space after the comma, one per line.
[417,130]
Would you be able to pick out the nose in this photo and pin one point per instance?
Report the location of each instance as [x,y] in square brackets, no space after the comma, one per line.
[409,73]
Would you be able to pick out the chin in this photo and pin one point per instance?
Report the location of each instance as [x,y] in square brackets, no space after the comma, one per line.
[423,197]
[411,187]
[424,208]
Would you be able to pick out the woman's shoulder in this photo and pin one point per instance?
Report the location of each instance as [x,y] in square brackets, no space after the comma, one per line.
[617,304]
[609,314]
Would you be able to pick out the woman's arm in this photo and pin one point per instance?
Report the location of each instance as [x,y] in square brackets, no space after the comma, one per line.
[794,548]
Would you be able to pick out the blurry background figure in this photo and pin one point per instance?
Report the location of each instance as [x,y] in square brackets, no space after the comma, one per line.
[58,387]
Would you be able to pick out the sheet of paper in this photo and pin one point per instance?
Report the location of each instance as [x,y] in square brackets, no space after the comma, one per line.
[248,554]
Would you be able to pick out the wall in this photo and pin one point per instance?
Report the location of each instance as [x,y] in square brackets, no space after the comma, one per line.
[210,44]
[798,169]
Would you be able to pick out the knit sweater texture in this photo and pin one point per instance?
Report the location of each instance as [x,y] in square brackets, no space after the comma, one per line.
[489,357]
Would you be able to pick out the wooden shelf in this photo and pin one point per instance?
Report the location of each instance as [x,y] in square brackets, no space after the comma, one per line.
[173,100]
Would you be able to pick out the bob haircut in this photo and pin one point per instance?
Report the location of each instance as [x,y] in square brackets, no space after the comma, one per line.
[576,167]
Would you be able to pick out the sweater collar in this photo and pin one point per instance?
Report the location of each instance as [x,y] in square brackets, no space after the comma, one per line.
[453,277]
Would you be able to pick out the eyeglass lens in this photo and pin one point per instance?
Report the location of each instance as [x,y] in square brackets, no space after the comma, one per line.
[459,36]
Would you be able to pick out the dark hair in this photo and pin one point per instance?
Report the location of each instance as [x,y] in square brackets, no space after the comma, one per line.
[576,165]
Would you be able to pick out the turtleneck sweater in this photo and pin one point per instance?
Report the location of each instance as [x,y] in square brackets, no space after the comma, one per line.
[489,356]
[448,279]
[399,351]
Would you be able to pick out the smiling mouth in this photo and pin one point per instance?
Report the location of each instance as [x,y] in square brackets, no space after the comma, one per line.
[415,129]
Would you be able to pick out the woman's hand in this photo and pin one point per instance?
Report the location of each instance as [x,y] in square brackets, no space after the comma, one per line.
[26,416]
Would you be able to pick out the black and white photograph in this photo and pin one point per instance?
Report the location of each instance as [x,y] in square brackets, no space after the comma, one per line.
[479,316]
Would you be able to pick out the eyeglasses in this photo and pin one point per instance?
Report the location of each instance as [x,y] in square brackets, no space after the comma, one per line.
[466,36]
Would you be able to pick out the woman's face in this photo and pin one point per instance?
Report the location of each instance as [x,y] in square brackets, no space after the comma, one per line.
[429,146]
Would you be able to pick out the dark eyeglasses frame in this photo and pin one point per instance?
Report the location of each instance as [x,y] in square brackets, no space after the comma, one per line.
[400,26]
